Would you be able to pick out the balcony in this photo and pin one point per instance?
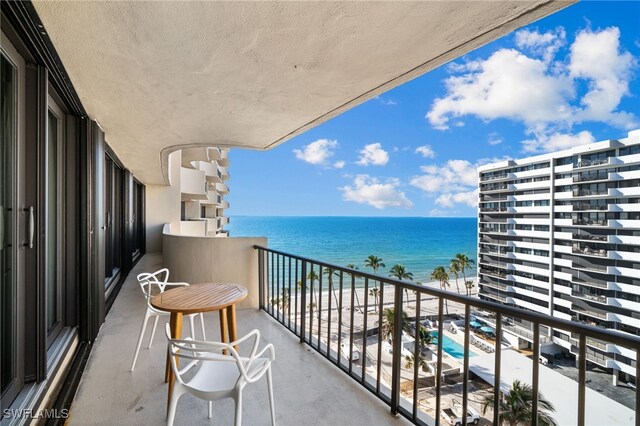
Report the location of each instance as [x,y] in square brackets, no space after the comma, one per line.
[109,393]
[589,237]
[595,163]
[589,222]
[589,207]
[314,384]
[588,251]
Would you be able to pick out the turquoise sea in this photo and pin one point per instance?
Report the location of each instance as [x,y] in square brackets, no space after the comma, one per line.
[420,244]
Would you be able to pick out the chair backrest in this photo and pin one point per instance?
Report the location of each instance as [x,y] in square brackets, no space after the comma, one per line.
[152,283]
[198,351]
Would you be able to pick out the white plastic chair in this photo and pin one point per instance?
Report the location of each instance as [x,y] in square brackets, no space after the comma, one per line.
[218,376]
[153,283]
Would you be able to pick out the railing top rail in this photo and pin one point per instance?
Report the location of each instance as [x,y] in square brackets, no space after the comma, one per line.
[611,336]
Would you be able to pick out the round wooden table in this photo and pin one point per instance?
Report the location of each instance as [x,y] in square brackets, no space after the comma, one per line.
[198,298]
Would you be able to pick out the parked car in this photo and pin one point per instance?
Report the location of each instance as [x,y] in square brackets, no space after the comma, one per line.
[453,415]
[543,360]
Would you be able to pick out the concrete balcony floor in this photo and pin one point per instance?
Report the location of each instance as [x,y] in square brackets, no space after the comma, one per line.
[308,390]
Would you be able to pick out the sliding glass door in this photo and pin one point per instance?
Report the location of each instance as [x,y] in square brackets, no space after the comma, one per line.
[113,217]
[11,196]
[52,220]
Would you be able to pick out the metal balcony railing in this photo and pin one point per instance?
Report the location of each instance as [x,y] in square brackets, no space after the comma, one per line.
[317,301]
[591,163]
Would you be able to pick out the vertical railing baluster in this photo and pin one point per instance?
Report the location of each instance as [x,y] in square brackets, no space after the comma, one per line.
[282,291]
[381,296]
[637,381]
[295,324]
[417,356]
[439,360]
[535,382]
[303,302]
[353,286]
[312,308]
[276,295]
[365,328]
[582,378]
[261,278]
[319,307]
[329,313]
[270,298]
[465,373]
[396,339]
[340,319]
[496,378]
[289,296]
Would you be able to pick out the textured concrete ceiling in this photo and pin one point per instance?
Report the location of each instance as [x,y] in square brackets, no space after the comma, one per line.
[160,75]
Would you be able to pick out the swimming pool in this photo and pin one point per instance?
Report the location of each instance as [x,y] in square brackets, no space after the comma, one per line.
[450,346]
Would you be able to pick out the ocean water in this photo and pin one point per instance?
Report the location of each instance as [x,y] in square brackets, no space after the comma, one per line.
[420,244]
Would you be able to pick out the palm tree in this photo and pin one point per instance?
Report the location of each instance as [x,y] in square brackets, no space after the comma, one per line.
[375,292]
[454,268]
[354,267]
[398,271]
[410,360]
[440,274]
[312,276]
[469,284]
[330,273]
[464,263]
[388,320]
[375,263]
[516,406]
[424,337]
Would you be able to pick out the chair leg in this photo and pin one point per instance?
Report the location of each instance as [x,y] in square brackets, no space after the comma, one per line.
[210,409]
[238,400]
[271,402]
[192,327]
[142,330]
[173,403]
[204,336]
[153,331]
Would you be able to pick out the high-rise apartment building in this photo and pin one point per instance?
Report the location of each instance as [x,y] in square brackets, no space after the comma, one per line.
[559,234]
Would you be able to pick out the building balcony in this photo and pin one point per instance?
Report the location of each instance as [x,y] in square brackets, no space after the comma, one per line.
[591,177]
[588,251]
[311,314]
[589,222]
[591,282]
[110,394]
[598,298]
[589,237]
[589,207]
[603,162]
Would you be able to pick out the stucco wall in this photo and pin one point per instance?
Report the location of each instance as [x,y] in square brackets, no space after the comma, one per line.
[209,259]
[163,204]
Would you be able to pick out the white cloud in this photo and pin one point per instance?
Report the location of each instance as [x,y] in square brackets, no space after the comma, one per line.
[455,182]
[470,198]
[557,142]
[545,45]
[494,139]
[339,164]
[596,57]
[495,88]
[317,152]
[373,154]
[425,151]
[369,190]
[454,175]
[541,90]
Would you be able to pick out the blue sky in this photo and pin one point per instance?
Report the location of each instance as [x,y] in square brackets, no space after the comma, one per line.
[569,79]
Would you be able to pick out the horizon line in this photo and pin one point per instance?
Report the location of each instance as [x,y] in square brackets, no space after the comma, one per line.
[379,217]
